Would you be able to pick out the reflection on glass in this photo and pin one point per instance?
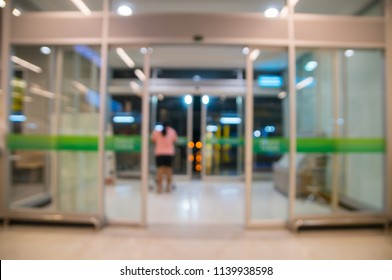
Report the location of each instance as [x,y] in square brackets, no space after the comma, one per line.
[173,110]
[347,7]
[270,136]
[57,5]
[340,131]
[201,6]
[123,134]
[223,136]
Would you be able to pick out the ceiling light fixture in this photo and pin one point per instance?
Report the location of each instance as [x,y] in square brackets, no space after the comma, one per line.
[2,3]
[124,10]
[349,53]
[254,54]
[16,12]
[271,13]
[139,73]
[123,55]
[45,50]
[82,7]
[26,64]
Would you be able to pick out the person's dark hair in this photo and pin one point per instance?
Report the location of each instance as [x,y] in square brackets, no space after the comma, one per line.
[164,130]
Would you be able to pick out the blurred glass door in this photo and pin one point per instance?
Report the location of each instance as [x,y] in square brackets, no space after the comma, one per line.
[223,135]
[177,112]
[123,157]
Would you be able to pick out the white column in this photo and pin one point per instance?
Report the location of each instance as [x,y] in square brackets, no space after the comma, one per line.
[248,139]
[102,113]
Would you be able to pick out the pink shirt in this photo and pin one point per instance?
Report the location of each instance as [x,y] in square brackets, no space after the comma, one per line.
[164,145]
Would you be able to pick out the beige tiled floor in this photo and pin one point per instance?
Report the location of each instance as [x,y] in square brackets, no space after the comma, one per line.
[196,221]
[190,242]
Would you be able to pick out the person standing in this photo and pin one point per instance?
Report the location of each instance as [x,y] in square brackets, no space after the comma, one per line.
[164,151]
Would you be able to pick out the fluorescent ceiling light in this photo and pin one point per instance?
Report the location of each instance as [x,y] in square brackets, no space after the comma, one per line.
[139,73]
[212,128]
[269,81]
[230,120]
[17,118]
[271,13]
[123,55]
[16,12]
[136,87]
[123,119]
[82,7]
[124,10]
[26,64]
[254,54]
[79,86]
[310,66]
[304,83]
[36,90]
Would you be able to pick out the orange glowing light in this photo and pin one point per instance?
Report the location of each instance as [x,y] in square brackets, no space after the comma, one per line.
[191,145]
[199,145]
[198,167]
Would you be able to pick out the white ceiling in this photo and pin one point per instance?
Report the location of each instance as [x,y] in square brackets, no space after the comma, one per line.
[199,55]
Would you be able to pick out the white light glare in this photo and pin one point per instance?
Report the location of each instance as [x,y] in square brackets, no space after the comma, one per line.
[82,7]
[16,12]
[245,50]
[269,128]
[254,54]
[143,50]
[212,128]
[311,65]
[17,118]
[139,73]
[282,94]
[257,133]
[158,127]
[124,10]
[45,50]
[123,55]
[304,83]
[271,13]
[2,3]
[188,99]
[205,99]
[26,64]
[349,53]
[230,120]
[123,119]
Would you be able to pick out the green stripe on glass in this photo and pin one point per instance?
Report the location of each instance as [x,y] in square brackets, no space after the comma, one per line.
[73,143]
[320,145]
[133,144]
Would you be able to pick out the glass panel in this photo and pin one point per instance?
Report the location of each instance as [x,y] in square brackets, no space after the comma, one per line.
[201,6]
[340,131]
[29,119]
[270,136]
[338,7]
[174,111]
[78,129]
[54,5]
[123,134]
[53,128]
[224,136]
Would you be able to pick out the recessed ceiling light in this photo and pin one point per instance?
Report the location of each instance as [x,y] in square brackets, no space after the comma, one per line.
[124,10]
[45,50]
[271,13]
